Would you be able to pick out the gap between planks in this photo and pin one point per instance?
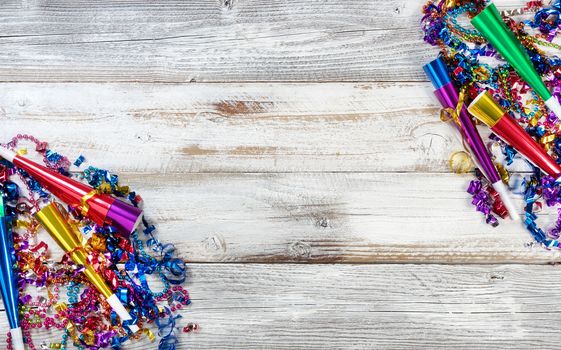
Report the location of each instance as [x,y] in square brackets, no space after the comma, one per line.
[330,218]
[240,306]
[245,128]
[207,41]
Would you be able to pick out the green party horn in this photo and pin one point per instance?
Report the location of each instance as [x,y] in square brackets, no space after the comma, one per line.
[491,25]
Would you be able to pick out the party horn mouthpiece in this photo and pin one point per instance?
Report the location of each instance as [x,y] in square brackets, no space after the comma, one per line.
[8,281]
[502,190]
[17,339]
[100,208]
[486,109]
[55,220]
[491,25]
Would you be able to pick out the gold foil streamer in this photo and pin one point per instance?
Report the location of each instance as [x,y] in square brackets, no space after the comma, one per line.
[482,73]
[60,307]
[104,188]
[450,4]
[22,224]
[149,334]
[461,98]
[504,174]
[447,114]
[71,328]
[124,189]
[547,140]
[534,121]
[89,337]
[85,199]
[97,242]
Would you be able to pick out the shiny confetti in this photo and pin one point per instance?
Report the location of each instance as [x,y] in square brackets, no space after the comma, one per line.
[476,66]
[79,160]
[145,274]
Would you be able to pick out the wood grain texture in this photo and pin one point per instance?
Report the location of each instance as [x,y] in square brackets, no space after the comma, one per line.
[293,153]
[330,218]
[267,172]
[213,40]
[380,127]
[253,306]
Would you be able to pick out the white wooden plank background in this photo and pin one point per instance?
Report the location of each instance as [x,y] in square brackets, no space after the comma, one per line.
[209,40]
[266,133]
[284,306]
[213,40]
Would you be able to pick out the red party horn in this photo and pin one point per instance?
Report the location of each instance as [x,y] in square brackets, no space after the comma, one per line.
[100,208]
[487,110]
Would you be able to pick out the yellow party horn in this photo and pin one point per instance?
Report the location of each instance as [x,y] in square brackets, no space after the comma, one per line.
[55,220]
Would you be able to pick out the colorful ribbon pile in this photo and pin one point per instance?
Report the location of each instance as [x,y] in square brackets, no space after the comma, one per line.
[477,66]
[57,295]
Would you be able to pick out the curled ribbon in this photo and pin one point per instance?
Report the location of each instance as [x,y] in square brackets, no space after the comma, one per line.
[504,174]
[85,199]
[459,162]
[149,334]
[450,113]
[547,140]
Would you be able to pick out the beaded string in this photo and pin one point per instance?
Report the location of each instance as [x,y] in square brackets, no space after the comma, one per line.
[85,319]
[469,57]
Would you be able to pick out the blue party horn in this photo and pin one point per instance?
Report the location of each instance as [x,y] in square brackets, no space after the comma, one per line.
[8,281]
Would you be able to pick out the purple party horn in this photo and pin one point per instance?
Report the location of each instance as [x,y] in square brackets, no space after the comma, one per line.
[447,94]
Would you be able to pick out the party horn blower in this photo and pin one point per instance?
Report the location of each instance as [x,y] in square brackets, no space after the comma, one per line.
[447,94]
[55,220]
[491,25]
[100,208]
[487,110]
[8,281]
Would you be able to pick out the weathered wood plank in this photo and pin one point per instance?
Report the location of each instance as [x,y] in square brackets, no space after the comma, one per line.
[329,218]
[270,131]
[256,306]
[213,41]
[236,127]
